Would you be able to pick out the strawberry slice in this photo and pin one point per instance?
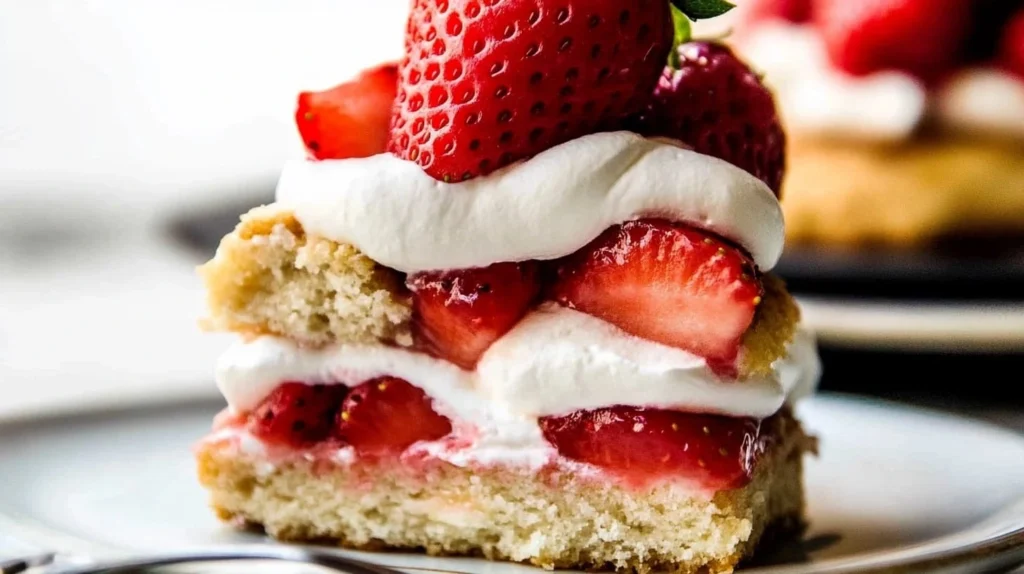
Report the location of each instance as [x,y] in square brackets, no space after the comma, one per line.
[665,282]
[297,414]
[459,314]
[385,416]
[641,444]
[351,119]
[921,37]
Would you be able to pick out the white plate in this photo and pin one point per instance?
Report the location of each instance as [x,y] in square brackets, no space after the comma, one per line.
[893,485]
[923,326]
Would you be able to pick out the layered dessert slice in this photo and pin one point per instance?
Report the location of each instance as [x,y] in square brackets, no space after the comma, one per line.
[540,325]
[917,104]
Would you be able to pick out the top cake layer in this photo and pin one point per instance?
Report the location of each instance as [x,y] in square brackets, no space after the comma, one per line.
[270,277]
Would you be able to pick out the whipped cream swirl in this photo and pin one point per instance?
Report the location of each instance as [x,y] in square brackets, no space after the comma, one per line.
[542,208]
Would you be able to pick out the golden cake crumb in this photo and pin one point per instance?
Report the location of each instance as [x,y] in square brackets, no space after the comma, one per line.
[269,277]
[774,327]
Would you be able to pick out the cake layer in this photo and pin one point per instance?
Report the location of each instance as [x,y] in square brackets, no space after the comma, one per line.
[270,277]
[566,516]
[907,193]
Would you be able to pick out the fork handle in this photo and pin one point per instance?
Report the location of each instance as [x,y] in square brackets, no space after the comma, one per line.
[19,565]
[281,554]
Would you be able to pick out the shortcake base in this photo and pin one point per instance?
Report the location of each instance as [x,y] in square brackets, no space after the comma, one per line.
[565,516]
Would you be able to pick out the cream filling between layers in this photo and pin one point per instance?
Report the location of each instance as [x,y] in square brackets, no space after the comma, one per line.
[553,362]
[542,208]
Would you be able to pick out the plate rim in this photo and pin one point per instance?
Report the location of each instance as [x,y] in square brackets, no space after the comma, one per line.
[1002,551]
[929,326]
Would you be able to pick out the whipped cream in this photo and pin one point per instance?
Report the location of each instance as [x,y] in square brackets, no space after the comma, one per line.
[984,100]
[554,361]
[814,97]
[542,208]
[557,360]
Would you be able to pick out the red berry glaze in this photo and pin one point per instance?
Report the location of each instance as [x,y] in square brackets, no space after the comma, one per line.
[487,82]
[1011,48]
[921,37]
[718,105]
[349,120]
[668,283]
[386,415]
[297,414]
[639,444]
[458,314]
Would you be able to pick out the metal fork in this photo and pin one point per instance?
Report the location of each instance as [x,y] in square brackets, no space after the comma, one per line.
[299,555]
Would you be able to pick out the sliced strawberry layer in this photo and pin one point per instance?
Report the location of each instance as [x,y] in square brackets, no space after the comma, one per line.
[387,415]
[351,119]
[458,314]
[668,283]
[641,444]
[297,414]
[383,416]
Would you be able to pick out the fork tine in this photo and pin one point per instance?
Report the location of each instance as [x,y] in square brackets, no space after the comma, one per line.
[23,563]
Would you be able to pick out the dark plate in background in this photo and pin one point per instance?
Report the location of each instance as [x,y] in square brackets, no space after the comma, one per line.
[969,270]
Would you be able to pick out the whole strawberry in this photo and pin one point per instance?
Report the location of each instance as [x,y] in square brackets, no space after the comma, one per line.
[797,11]
[921,37]
[990,28]
[1011,49]
[715,103]
[487,82]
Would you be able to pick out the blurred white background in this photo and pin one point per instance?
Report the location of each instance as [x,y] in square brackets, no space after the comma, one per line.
[114,116]
[169,97]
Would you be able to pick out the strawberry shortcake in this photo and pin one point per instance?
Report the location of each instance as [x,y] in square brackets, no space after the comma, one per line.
[906,117]
[517,303]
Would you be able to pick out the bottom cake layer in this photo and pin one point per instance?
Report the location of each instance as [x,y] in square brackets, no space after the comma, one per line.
[555,518]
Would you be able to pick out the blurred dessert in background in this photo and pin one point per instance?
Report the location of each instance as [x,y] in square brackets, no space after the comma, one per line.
[905,117]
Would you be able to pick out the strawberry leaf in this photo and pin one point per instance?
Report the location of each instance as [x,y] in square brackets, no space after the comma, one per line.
[683,34]
[703,9]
